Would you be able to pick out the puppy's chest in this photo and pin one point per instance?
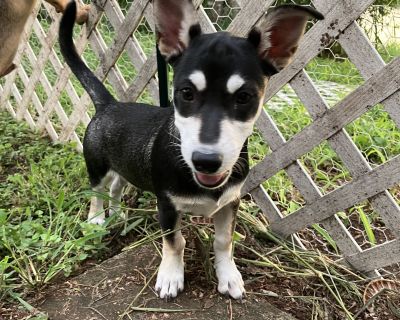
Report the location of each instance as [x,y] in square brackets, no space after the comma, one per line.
[204,205]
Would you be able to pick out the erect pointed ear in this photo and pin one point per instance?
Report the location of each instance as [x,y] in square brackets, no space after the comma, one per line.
[278,36]
[176,24]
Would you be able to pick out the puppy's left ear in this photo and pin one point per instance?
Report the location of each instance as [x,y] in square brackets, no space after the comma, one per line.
[176,24]
[278,36]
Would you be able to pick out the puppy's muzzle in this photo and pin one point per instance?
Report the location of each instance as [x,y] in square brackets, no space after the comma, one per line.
[207,166]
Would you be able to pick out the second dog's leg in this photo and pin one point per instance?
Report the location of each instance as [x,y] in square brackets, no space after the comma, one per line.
[8,70]
[229,278]
[116,188]
[83,10]
[171,272]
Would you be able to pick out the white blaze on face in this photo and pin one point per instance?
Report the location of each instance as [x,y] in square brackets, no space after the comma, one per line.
[189,131]
[234,83]
[233,133]
[232,137]
[199,80]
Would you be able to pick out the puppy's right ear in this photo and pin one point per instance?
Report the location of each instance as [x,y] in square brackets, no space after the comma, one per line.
[176,25]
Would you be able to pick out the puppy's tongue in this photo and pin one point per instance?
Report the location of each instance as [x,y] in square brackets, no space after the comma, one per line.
[210,180]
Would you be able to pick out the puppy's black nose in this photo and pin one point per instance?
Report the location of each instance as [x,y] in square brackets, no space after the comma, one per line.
[206,162]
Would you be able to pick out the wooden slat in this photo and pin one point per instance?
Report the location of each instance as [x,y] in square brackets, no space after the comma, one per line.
[268,208]
[205,23]
[36,101]
[132,46]
[27,116]
[373,91]
[142,78]
[7,105]
[42,78]
[248,16]
[376,257]
[47,46]
[364,187]
[266,204]
[122,34]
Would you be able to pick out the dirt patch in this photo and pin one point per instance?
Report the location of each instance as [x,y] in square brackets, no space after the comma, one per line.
[118,285]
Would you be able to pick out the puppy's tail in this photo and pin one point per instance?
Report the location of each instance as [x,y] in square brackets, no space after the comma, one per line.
[94,87]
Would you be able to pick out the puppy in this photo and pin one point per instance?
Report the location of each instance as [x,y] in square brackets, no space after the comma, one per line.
[193,156]
[13,16]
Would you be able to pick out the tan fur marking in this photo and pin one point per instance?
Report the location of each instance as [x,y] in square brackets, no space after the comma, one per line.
[13,16]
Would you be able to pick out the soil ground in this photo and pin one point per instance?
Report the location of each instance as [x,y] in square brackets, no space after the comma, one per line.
[110,289]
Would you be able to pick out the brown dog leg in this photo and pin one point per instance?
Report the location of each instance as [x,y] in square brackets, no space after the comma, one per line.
[83,14]
[8,70]
[83,10]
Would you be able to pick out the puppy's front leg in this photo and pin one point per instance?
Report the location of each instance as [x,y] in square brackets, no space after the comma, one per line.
[229,278]
[171,272]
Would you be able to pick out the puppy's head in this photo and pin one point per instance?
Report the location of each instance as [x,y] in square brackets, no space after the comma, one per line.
[220,81]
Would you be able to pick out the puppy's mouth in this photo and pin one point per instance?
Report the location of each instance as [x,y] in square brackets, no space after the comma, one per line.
[211,181]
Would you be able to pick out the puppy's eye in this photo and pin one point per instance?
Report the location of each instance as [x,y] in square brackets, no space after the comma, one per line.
[243,97]
[187,94]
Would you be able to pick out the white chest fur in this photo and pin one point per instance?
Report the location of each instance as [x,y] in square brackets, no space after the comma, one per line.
[203,205]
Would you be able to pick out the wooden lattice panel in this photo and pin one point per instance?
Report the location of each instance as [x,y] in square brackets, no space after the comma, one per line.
[114,35]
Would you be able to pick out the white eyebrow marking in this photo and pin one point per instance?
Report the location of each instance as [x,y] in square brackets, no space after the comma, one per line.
[234,83]
[198,79]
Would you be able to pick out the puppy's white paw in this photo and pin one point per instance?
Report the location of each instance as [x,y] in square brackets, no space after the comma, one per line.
[170,277]
[229,279]
[97,220]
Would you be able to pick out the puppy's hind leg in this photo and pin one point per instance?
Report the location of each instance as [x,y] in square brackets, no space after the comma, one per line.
[96,212]
[116,188]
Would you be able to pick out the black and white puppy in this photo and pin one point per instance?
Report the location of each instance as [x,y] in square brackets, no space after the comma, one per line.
[193,156]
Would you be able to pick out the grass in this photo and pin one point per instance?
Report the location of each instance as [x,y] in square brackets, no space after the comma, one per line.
[44,199]
[41,198]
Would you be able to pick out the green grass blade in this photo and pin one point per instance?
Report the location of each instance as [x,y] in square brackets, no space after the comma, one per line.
[367,226]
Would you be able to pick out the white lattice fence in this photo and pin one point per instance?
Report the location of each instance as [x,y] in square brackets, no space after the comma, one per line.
[118,44]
